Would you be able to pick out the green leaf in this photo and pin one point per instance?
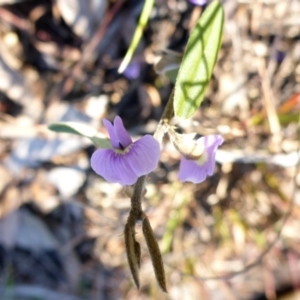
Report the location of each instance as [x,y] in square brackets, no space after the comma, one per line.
[137,34]
[82,130]
[172,75]
[198,61]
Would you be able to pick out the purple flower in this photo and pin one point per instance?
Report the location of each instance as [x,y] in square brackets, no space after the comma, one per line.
[126,161]
[196,171]
[133,71]
[198,2]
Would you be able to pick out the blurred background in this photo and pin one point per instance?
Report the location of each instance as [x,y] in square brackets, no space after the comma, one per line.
[234,236]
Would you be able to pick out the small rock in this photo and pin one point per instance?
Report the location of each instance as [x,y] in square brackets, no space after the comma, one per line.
[66,180]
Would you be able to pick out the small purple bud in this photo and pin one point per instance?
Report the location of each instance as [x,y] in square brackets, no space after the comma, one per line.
[133,70]
[280,56]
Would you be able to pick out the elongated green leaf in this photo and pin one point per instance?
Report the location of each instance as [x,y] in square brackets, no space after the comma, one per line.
[137,34]
[82,130]
[73,127]
[198,61]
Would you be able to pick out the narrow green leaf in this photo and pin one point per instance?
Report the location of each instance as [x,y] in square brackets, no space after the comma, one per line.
[73,127]
[100,141]
[82,130]
[198,61]
[137,34]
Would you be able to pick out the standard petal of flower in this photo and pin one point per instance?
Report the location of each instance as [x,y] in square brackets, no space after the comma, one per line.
[143,155]
[101,164]
[121,133]
[126,174]
[189,170]
[111,132]
[112,167]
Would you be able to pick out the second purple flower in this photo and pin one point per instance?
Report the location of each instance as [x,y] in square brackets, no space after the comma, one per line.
[127,160]
[196,170]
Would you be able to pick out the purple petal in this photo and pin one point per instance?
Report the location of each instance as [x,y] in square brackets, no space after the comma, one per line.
[113,167]
[121,133]
[189,170]
[211,144]
[198,2]
[111,132]
[133,71]
[124,170]
[143,155]
[195,171]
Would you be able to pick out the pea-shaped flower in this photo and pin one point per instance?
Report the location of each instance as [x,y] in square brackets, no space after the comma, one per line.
[197,169]
[126,160]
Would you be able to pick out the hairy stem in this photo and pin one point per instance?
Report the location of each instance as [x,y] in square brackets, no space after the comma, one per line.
[136,199]
[133,248]
[136,205]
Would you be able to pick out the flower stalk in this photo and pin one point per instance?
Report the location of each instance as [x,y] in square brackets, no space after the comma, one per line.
[129,163]
[136,214]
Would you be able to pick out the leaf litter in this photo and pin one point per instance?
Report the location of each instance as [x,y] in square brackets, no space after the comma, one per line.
[63,240]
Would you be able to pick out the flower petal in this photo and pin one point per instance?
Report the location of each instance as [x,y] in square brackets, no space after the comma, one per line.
[101,164]
[143,155]
[189,170]
[199,2]
[212,140]
[121,133]
[126,174]
[111,132]
[133,70]
[192,170]
[211,144]
[112,167]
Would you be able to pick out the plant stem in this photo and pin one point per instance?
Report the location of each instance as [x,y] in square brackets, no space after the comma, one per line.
[139,187]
